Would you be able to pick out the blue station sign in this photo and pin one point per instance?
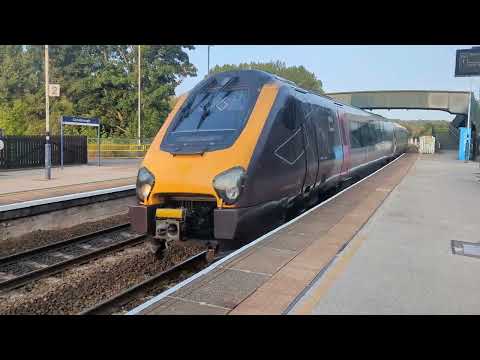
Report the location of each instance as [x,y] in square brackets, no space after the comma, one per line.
[77,120]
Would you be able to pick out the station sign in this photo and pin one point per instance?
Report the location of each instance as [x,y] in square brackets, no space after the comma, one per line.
[76,120]
[54,90]
[467,62]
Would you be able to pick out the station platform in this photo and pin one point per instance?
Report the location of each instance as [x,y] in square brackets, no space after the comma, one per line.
[274,273]
[402,260]
[19,186]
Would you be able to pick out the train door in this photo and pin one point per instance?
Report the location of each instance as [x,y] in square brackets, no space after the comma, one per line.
[394,140]
[324,130]
[389,139]
[304,112]
[345,140]
[336,143]
[372,142]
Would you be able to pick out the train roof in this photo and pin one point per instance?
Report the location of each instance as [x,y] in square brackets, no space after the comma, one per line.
[264,77]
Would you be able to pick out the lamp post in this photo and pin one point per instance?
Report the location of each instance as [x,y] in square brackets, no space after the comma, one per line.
[208,63]
[139,92]
[48,155]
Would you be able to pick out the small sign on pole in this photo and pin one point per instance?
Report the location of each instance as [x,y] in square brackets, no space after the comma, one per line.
[54,90]
[77,120]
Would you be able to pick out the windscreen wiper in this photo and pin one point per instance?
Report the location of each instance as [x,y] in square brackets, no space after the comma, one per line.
[189,105]
[206,108]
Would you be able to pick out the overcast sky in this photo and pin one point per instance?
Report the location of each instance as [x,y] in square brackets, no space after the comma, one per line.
[353,68]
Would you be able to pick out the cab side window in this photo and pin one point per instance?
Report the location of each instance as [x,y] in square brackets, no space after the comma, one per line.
[292,114]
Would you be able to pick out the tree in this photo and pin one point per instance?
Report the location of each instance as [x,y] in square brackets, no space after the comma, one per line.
[419,128]
[298,74]
[96,81]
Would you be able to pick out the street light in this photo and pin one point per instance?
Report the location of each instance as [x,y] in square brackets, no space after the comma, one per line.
[48,155]
[208,65]
[139,91]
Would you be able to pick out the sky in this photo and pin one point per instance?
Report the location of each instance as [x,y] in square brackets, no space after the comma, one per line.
[353,68]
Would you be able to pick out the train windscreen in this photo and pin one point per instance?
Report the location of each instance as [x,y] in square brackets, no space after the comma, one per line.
[210,120]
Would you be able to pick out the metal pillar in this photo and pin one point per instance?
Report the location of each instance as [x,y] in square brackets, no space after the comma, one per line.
[208,60]
[98,144]
[468,139]
[61,143]
[48,153]
[139,92]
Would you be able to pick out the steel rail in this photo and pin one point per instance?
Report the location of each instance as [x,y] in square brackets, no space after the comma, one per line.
[59,244]
[117,301]
[30,276]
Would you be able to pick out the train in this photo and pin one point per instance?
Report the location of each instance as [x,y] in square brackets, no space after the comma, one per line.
[244,149]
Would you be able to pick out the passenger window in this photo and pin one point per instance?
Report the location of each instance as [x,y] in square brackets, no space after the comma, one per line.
[364,134]
[289,114]
[331,126]
[355,134]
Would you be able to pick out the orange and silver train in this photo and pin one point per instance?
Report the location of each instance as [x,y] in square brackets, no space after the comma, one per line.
[243,149]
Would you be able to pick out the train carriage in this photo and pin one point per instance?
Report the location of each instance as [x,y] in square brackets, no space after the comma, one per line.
[245,148]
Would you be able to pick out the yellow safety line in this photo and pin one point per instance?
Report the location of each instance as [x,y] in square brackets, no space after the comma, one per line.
[329,277]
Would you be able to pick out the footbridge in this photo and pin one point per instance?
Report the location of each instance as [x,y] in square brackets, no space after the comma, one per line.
[460,103]
[454,102]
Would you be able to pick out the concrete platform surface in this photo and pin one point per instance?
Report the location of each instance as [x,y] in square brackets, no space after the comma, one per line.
[401,261]
[269,275]
[24,185]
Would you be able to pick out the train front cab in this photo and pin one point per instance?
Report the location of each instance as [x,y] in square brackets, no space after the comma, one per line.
[199,159]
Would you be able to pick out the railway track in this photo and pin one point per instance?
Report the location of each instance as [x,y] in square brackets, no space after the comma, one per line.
[140,291]
[159,282]
[24,267]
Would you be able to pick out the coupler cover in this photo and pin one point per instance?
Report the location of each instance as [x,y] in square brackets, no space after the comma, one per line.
[169,224]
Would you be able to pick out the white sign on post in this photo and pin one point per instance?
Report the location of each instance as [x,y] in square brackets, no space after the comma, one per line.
[53,89]
[2,145]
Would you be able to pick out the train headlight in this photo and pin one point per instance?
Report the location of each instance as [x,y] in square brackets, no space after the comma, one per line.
[145,181]
[229,184]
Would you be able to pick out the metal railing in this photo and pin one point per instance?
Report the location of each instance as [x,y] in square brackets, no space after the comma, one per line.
[118,148]
[454,131]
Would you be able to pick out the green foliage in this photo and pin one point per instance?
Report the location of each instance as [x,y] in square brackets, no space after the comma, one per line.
[419,128]
[298,74]
[96,81]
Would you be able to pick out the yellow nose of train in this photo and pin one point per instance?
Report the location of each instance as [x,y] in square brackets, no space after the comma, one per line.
[193,174]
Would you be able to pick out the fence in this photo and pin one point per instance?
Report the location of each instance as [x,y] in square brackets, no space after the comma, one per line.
[446,139]
[427,145]
[21,152]
[118,148]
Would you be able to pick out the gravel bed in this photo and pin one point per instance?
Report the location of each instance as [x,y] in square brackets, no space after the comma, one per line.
[82,287]
[45,237]
[157,289]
